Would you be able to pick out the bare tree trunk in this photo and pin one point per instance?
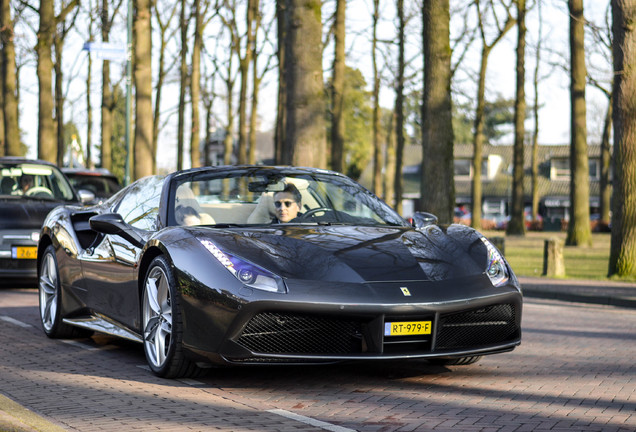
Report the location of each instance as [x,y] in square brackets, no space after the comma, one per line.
[437,189]
[337,98]
[107,97]
[228,141]
[389,177]
[46,129]
[89,117]
[579,232]
[377,146]
[183,82]
[143,160]
[244,66]
[256,84]
[478,137]
[11,133]
[282,19]
[399,110]
[305,124]
[606,160]
[107,117]
[3,149]
[535,149]
[517,226]
[623,247]
[195,86]
[535,114]
[478,141]
[89,108]
[208,103]
[164,27]
[59,100]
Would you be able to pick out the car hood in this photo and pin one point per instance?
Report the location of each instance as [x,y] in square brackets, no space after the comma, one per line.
[24,213]
[357,254]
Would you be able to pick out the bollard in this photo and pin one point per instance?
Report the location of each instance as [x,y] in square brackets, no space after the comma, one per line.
[553,264]
[500,243]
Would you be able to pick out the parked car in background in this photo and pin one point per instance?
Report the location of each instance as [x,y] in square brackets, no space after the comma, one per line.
[101,182]
[29,190]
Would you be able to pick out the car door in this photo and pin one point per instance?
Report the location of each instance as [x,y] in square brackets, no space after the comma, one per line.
[109,269]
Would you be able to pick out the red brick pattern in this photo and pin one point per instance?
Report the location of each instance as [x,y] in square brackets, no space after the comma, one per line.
[575,371]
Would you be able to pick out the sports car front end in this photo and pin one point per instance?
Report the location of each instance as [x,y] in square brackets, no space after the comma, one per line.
[391,293]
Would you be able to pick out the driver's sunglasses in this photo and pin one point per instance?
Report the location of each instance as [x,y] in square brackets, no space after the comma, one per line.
[288,203]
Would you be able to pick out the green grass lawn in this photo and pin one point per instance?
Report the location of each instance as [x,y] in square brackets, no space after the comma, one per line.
[525,254]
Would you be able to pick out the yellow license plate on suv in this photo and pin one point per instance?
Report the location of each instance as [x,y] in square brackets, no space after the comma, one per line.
[407,328]
[25,252]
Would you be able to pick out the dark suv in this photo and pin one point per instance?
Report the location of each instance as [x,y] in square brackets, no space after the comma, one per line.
[29,190]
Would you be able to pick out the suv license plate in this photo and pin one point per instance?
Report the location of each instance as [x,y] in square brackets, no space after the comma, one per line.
[25,252]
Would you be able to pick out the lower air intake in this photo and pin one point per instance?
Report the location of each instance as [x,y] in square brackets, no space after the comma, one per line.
[280,333]
[473,328]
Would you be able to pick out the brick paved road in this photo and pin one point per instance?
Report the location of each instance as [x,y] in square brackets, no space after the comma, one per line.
[575,370]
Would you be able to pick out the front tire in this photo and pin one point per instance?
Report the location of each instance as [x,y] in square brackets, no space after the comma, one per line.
[50,294]
[163,325]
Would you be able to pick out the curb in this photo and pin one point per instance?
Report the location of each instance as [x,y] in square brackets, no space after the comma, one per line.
[579,298]
[609,293]
[15,418]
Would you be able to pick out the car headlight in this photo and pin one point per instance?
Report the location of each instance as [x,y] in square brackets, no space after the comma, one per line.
[496,269]
[247,273]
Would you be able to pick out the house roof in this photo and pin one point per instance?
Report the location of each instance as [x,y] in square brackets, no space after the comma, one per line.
[500,185]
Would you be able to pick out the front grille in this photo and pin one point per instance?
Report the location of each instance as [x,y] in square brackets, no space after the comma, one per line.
[283,333]
[477,327]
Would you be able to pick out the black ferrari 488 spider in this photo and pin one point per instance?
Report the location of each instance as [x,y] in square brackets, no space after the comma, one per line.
[253,265]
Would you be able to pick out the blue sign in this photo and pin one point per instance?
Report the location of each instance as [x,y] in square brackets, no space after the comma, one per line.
[106,50]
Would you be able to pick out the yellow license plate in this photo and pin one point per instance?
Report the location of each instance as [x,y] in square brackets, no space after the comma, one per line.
[25,252]
[407,328]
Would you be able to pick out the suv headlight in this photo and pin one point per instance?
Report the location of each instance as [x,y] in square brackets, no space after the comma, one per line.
[496,268]
[247,273]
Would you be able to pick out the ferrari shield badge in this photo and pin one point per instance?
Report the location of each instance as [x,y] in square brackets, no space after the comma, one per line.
[405,291]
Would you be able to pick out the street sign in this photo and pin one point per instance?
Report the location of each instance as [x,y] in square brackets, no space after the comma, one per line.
[106,50]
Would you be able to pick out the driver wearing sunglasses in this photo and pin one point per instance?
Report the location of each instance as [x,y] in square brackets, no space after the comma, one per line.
[287,204]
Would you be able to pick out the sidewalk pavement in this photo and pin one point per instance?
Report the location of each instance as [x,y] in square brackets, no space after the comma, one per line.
[15,418]
[603,292]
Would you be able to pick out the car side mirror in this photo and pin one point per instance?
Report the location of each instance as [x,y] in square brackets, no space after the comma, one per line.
[85,196]
[114,224]
[422,219]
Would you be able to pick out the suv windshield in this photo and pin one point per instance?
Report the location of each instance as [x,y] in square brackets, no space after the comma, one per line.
[34,180]
[274,196]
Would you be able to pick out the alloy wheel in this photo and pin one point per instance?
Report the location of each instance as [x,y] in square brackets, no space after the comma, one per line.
[48,292]
[157,317]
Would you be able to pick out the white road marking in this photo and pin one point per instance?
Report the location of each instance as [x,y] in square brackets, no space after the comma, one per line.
[310,421]
[14,321]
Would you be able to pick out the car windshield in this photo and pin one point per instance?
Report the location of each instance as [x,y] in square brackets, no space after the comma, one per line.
[102,186]
[273,196]
[33,180]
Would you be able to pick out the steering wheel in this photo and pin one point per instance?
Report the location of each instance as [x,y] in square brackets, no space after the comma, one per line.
[310,213]
[39,191]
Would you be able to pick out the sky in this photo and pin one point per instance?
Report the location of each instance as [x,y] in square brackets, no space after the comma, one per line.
[554,87]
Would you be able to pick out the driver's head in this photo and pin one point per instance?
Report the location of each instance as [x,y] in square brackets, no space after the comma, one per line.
[287,203]
[26,181]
